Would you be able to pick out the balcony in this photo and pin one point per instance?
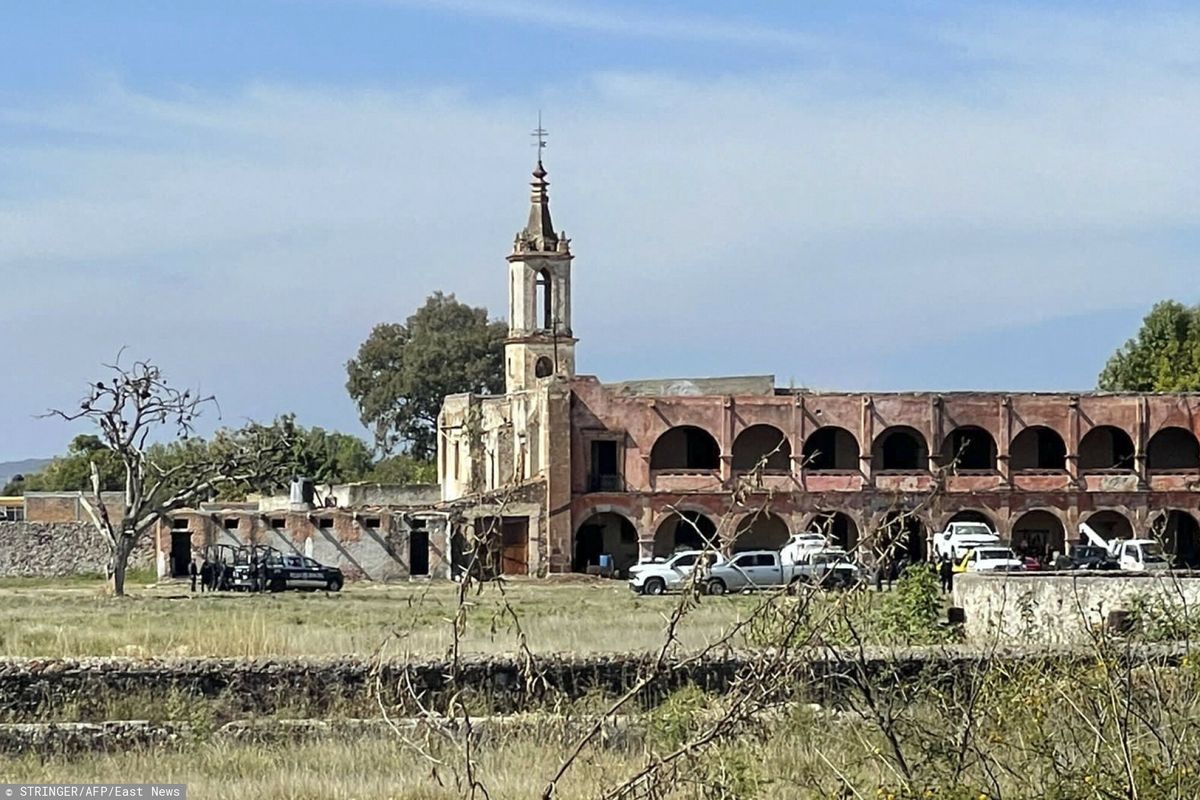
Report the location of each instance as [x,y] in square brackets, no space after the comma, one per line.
[678,480]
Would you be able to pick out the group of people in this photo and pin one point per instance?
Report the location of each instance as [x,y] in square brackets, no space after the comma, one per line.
[887,571]
[212,575]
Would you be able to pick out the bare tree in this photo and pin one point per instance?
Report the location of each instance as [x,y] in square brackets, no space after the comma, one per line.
[136,412]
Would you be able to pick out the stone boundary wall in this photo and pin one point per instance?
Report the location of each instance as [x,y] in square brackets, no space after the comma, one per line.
[57,549]
[31,689]
[47,738]
[1064,608]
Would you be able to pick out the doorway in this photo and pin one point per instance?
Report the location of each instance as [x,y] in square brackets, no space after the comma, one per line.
[514,546]
[181,553]
[418,550]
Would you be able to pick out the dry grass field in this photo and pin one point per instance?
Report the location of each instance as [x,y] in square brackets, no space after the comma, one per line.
[74,618]
[1051,727]
[383,768]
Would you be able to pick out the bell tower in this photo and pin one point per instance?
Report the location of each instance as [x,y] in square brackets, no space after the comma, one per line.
[540,343]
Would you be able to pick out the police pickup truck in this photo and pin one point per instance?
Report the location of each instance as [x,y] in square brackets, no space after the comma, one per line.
[281,572]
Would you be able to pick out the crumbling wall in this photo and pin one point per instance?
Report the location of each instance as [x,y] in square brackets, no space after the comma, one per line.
[43,549]
[1063,608]
[364,544]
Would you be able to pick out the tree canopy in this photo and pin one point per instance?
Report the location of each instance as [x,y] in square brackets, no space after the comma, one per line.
[324,456]
[72,471]
[402,371]
[1164,356]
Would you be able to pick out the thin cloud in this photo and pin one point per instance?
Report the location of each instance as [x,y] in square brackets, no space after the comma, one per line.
[252,238]
[626,22]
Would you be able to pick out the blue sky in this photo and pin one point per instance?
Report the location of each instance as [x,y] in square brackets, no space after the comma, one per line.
[895,196]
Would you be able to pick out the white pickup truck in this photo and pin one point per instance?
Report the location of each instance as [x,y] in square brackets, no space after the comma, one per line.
[669,575]
[765,569]
[960,537]
[800,545]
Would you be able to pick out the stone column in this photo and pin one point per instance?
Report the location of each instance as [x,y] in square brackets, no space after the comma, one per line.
[866,439]
[1073,441]
[726,442]
[1002,446]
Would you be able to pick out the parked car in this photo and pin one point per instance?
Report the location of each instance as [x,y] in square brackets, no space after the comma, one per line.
[1085,556]
[665,575]
[990,559]
[282,572]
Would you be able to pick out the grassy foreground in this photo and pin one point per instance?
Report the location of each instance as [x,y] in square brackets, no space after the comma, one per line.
[1016,749]
[74,618]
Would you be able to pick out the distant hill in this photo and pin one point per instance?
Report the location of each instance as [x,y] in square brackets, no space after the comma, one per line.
[10,468]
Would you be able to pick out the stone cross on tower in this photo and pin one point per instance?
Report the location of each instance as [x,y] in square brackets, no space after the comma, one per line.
[540,343]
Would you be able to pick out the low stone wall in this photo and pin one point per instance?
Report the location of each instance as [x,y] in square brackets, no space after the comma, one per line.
[55,549]
[67,738]
[1063,608]
[34,689]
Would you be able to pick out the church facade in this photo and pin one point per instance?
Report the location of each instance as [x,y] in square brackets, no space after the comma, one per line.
[562,468]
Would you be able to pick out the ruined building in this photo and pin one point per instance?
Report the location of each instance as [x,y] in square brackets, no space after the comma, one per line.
[562,468]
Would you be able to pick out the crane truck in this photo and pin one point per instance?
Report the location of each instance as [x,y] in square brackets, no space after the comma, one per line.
[1132,555]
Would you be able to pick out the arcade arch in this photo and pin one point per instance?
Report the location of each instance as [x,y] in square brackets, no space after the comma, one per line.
[760,530]
[1173,449]
[1037,448]
[831,448]
[605,533]
[685,530]
[969,448]
[1105,447]
[1038,533]
[839,528]
[762,445]
[685,447]
[900,448]
[1110,524]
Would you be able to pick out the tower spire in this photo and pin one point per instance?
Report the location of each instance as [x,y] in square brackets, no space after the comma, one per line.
[538,234]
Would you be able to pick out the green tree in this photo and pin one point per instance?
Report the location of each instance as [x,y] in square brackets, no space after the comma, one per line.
[326,456]
[1164,356]
[402,371]
[315,453]
[402,469]
[72,472]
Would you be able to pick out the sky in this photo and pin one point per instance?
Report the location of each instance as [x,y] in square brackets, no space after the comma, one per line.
[879,196]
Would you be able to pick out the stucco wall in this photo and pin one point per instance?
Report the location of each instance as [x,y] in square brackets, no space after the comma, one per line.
[1062,608]
[366,545]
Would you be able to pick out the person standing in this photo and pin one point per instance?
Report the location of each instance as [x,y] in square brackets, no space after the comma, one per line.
[946,572]
[192,571]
